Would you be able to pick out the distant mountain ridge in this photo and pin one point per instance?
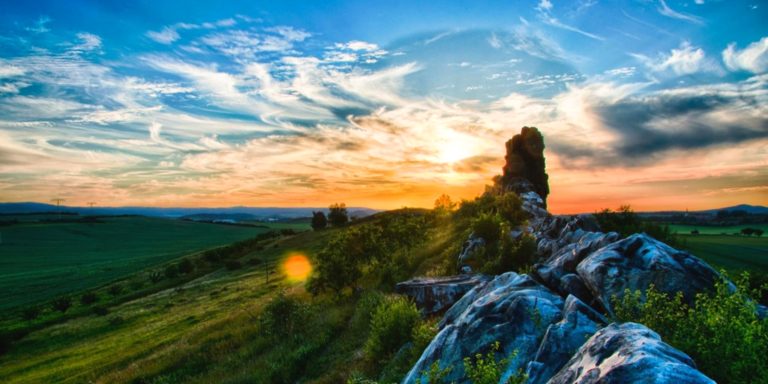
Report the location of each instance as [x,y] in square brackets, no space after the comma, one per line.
[751,209]
[174,212]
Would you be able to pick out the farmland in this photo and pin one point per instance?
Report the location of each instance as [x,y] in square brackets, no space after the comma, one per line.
[41,260]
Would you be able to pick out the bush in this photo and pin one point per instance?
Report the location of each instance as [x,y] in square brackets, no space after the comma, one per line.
[61,304]
[31,313]
[284,316]
[488,227]
[392,326]
[88,298]
[116,320]
[319,221]
[171,271]
[721,332]
[186,267]
[155,277]
[233,265]
[100,311]
[115,290]
[487,370]
[338,216]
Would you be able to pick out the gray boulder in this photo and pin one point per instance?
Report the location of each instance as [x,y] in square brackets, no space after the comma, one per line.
[511,309]
[436,294]
[628,353]
[639,261]
[563,339]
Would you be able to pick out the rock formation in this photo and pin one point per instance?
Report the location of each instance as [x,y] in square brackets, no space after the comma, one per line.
[525,163]
[436,294]
[552,317]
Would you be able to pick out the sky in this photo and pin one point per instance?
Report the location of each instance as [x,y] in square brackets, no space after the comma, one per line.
[657,104]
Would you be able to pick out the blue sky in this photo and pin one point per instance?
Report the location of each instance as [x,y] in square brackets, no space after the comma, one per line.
[381,104]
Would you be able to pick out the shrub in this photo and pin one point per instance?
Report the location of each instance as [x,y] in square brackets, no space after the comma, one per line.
[392,326]
[186,267]
[171,271]
[31,313]
[88,298]
[721,332]
[115,290]
[233,265]
[319,221]
[338,216]
[283,316]
[135,285]
[488,227]
[487,370]
[100,311]
[155,277]
[61,304]
[116,320]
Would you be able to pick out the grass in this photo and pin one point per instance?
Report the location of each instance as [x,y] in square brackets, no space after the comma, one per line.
[201,331]
[714,230]
[734,253]
[39,261]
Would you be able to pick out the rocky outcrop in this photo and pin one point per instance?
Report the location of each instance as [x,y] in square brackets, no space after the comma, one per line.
[639,261]
[567,341]
[563,339]
[628,353]
[436,294]
[468,251]
[525,162]
[512,309]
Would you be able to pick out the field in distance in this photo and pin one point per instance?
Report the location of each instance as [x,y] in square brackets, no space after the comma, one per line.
[43,260]
[722,247]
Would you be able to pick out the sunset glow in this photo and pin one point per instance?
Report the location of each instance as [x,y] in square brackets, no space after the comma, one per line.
[245,105]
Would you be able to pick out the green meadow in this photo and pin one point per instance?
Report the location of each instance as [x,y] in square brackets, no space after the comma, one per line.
[734,253]
[42,260]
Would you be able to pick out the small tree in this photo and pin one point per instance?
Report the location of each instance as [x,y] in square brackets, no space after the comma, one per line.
[444,204]
[747,231]
[319,221]
[338,216]
[115,290]
[186,266]
[62,304]
[758,232]
[88,298]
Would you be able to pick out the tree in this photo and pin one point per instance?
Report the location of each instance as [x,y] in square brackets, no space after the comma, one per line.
[338,216]
[758,232]
[62,304]
[319,221]
[88,298]
[444,204]
[747,231]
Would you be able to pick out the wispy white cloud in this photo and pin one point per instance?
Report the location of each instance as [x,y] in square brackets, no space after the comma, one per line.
[545,8]
[684,60]
[665,10]
[40,26]
[753,58]
[170,33]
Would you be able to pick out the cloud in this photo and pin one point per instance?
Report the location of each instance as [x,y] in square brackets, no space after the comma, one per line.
[753,58]
[40,25]
[88,42]
[545,8]
[242,44]
[665,10]
[165,36]
[681,61]
[354,51]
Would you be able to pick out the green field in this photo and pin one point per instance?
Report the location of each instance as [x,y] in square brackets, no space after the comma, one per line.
[734,253]
[39,261]
[715,230]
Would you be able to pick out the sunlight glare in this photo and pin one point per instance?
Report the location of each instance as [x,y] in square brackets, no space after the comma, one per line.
[297,267]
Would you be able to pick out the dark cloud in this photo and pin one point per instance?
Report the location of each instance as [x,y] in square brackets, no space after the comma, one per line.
[476,164]
[651,125]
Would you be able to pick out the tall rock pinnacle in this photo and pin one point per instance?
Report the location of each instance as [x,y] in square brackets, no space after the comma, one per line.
[525,162]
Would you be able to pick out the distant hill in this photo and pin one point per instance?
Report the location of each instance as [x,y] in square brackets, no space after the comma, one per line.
[174,212]
[751,209]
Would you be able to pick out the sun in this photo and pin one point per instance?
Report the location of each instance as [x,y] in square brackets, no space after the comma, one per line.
[297,267]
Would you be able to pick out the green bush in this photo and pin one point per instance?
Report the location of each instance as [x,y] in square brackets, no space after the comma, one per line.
[61,304]
[625,222]
[31,313]
[486,369]
[100,311]
[88,298]
[721,332]
[115,290]
[392,326]
[284,316]
[171,271]
[186,267]
[488,227]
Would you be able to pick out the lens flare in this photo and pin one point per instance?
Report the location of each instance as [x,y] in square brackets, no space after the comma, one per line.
[297,267]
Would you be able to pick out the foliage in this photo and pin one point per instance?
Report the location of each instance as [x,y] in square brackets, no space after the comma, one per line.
[61,304]
[100,311]
[88,298]
[392,326]
[171,271]
[444,204]
[507,206]
[186,267]
[487,370]
[751,231]
[625,222]
[488,227]
[435,374]
[115,289]
[337,215]
[319,221]
[283,316]
[31,313]
[721,332]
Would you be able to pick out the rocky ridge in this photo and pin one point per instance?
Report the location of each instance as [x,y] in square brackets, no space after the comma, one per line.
[552,318]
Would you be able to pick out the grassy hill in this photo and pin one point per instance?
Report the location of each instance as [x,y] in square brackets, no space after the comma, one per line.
[40,260]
